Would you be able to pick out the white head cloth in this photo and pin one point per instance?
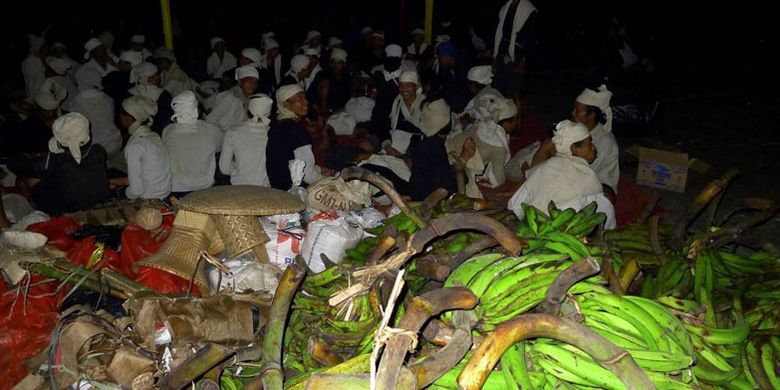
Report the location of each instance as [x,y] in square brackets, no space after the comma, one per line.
[600,99]
[334,41]
[70,131]
[270,43]
[246,71]
[58,65]
[566,133]
[393,50]
[141,109]
[164,52]
[299,62]
[260,107]
[366,30]
[58,45]
[418,31]
[482,74]
[310,51]
[501,109]
[360,108]
[91,44]
[435,116]
[312,34]
[283,94]
[409,76]
[185,108]
[140,73]
[253,54]
[138,38]
[216,40]
[88,78]
[50,95]
[338,54]
[132,57]
[378,34]
[268,35]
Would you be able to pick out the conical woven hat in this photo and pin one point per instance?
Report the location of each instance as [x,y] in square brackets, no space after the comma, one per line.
[180,254]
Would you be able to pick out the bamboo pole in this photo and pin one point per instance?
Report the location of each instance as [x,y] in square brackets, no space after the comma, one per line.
[428,20]
[165,6]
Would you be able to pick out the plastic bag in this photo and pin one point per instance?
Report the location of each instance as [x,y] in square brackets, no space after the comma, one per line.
[296,175]
[331,235]
[285,236]
[246,275]
[58,230]
[367,218]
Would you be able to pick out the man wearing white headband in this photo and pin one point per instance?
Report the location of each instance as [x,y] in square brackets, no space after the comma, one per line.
[418,47]
[174,79]
[60,51]
[243,150]
[479,86]
[491,136]
[566,178]
[592,109]
[273,72]
[406,115]
[57,70]
[220,60]
[146,82]
[33,68]
[192,146]
[387,91]
[312,82]
[515,30]
[300,69]
[336,87]
[75,176]
[430,164]
[313,41]
[289,140]
[99,61]
[148,165]
[137,43]
[34,131]
[230,106]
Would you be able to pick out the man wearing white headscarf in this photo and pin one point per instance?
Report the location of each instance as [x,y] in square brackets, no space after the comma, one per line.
[300,69]
[430,164]
[99,64]
[148,166]
[57,70]
[243,150]
[33,68]
[74,176]
[174,79]
[418,47]
[288,140]
[273,71]
[484,95]
[146,81]
[566,178]
[313,81]
[592,109]
[491,136]
[192,146]
[511,38]
[230,106]
[313,41]
[386,83]
[34,132]
[137,43]
[405,114]
[335,88]
[60,51]
[99,108]
[220,60]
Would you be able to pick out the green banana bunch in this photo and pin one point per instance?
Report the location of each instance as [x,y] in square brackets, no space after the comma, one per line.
[579,224]
[762,361]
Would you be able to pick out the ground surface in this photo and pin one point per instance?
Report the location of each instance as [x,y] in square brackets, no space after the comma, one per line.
[723,118]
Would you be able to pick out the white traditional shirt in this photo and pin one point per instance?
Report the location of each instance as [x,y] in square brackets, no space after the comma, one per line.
[192,150]
[99,109]
[148,166]
[34,73]
[243,154]
[216,67]
[566,180]
[606,165]
[229,109]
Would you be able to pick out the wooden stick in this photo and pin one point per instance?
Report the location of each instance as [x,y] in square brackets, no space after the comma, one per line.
[386,187]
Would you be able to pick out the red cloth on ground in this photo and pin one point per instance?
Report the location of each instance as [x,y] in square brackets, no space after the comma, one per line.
[25,326]
[58,230]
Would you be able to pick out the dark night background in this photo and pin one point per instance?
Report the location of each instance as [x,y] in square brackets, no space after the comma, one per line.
[714,69]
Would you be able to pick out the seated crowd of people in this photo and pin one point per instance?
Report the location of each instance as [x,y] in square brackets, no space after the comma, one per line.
[135,125]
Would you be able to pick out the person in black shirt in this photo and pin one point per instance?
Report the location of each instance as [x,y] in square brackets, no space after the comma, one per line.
[430,164]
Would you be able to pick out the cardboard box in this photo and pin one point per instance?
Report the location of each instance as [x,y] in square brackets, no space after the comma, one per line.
[662,169]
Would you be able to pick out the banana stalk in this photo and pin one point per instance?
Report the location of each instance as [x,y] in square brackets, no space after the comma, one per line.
[438,266]
[430,201]
[418,312]
[323,354]
[556,293]
[272,374]
[194,367]
[702,199]
[436,365]
[383,184]
[527,326]
[357,365]
[438,333]
[628,273]
[386,242]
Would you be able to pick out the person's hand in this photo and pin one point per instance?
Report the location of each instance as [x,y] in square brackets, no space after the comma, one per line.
[391,151]
[468,150]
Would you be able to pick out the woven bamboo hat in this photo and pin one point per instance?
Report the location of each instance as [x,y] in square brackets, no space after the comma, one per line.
[235,210]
